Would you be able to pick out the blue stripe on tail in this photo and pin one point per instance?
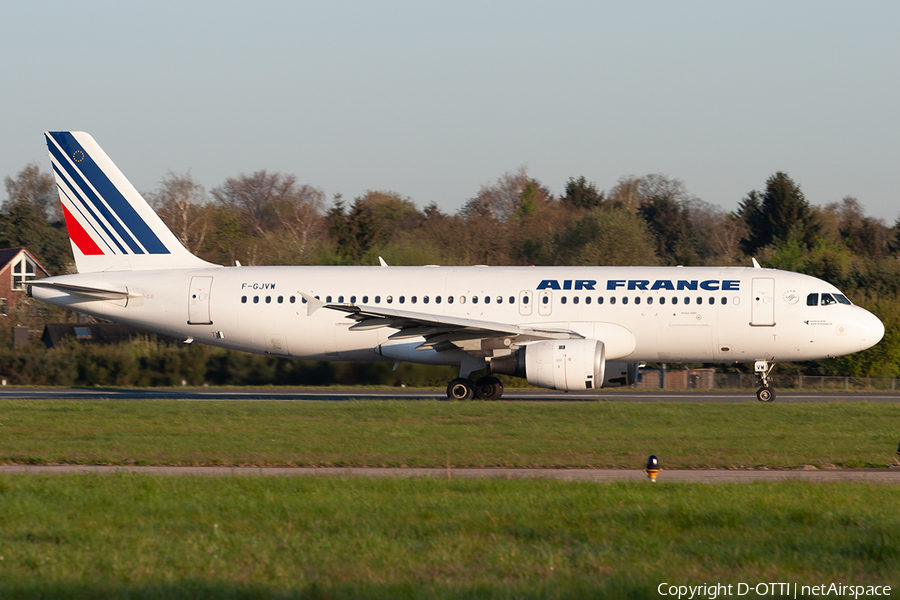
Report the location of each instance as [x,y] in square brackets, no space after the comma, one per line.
[110,193]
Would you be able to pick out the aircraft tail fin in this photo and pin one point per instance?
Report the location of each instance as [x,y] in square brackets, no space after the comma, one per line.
[111,226]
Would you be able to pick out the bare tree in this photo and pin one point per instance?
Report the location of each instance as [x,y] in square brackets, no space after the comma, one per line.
[273,202]
[182,204]
[37,189]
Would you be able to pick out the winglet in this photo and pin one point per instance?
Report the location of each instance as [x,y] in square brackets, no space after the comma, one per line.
[312,304]
[381,260]
[755,264]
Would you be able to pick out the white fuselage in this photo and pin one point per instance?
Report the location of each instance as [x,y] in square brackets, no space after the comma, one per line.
[643,314]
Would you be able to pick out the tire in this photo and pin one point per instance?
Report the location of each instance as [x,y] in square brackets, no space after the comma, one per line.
[460,389]
[765,394]
[489,388]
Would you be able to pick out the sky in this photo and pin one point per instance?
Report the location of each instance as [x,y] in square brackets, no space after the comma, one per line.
[434,100]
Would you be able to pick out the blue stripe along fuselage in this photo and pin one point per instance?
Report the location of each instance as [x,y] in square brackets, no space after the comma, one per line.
[123,209]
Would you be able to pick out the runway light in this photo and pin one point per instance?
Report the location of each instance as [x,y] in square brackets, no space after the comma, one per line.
[653,467]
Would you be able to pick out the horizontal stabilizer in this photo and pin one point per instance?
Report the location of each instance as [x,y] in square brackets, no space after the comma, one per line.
[99,294]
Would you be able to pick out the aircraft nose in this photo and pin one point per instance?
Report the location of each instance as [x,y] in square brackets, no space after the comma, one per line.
[871,331]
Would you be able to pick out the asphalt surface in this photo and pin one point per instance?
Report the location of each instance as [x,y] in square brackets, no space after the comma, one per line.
[295,395]
[887,476]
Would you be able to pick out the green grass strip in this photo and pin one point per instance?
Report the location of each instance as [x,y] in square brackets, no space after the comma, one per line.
[136,536]
[473,434]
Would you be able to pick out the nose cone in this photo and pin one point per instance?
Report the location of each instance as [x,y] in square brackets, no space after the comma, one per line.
[871,330]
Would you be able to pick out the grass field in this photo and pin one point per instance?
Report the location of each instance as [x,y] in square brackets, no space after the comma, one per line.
[423,433]
[133,536]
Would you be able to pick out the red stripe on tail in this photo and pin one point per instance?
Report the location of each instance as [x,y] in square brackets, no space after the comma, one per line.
[79,236]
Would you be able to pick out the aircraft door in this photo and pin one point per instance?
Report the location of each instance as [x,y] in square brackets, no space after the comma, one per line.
[525,301]
[762,311]
[198,301]
[545,302]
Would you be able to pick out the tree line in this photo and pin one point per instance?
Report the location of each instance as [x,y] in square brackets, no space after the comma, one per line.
[271,218]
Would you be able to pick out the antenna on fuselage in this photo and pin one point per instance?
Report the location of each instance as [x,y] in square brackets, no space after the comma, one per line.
[755,264]
[383,264]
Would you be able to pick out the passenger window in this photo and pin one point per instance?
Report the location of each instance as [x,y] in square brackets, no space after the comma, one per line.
[827,299]
[712,300]
[449,299]
[462,299]
[637,300]
[487,299]
[425,299]
[512,299]
[352,299]
[365,299]
[546,299]
[243,299]
[293,299]
[525,299]
[437,300]
[280,299]
[340,299]
[390,299]
[562,300]
[699,300]
[268,299]
[474,299]
[687,300]
[377,299]
[587,299]
[812,300]
[650,300]
[402,299]
[499,299]
[625,300]
[662,300]
[612,300]
[327,299]
[724,300]
[599,299]
[575,300]
[414,299]
[255,299]
[675,300]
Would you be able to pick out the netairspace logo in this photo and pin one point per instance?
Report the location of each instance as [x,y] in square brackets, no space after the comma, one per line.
[781,589]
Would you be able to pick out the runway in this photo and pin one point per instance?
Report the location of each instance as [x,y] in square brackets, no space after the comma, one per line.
[884,476]
[511,395]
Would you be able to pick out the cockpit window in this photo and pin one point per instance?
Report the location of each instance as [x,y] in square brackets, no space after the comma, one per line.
[812,300]
[842,299]
[828,299]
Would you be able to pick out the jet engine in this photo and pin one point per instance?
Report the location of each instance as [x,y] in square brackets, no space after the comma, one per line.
[566,365]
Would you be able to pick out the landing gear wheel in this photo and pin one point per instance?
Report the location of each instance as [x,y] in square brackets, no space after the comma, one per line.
[460,389]
[765,394]
[489,388]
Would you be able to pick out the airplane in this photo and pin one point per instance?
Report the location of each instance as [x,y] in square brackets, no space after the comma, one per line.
[561,328]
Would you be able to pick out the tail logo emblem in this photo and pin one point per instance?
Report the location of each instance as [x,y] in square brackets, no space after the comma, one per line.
[78,156]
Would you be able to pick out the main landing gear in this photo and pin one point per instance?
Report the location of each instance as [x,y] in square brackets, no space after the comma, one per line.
[766,393]
[486,388]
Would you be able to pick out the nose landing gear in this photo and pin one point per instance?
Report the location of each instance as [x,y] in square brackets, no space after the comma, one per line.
[766,393]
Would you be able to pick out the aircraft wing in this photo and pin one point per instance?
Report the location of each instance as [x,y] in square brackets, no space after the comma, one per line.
[441,332]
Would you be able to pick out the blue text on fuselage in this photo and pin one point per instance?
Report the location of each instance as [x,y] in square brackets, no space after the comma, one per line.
[711,285]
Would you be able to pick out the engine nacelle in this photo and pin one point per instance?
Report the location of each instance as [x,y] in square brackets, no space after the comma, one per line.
[566,365]
[619,374]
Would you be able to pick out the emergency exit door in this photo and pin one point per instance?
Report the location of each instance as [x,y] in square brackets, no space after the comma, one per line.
[198,301]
